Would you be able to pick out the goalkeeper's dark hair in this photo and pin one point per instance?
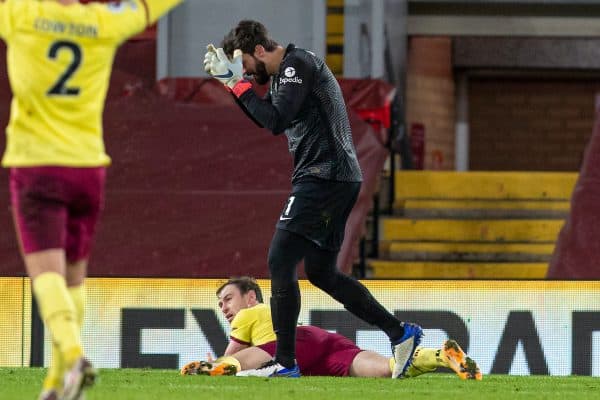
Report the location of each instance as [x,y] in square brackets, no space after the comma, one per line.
[244,284]
[245,36]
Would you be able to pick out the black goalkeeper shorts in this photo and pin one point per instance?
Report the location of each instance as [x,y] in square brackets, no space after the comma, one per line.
[317,209]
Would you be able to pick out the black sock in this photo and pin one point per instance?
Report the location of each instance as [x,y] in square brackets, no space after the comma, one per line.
[321,270]
[285,307]
[357,299]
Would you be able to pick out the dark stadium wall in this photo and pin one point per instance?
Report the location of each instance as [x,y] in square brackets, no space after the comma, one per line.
[193,190]
[512,112]
[129,76]
[430,98]
[195,187]
[510,118]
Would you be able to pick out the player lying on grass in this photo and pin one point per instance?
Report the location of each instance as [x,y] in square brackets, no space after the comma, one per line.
[321,353]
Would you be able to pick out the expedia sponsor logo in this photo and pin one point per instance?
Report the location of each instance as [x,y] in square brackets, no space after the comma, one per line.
[295,79]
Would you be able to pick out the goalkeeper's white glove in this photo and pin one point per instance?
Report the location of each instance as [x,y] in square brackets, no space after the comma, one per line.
[217,64]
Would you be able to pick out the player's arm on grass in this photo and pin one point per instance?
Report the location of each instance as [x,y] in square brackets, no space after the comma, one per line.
[241,332]
[233,347]
[277,114]
[129,17]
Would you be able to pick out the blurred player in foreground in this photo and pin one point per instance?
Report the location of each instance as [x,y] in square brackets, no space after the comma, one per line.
[322,353]
[305,102]
[60,55]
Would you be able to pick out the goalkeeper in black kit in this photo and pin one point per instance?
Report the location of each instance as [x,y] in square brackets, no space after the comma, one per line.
[305,102]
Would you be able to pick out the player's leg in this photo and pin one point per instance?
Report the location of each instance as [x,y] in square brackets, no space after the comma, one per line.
[76,273]
[451,355]
[40,214]
[457,360]
[85,206]
[323,353]
[321,270]
[53,382]
[77,261]
[56,307]
[252,357]
[56,310]
[336,201]
[370,364]
[425,360]
[285,252]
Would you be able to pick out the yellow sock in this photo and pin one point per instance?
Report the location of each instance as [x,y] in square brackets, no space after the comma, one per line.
[425,360]
[78,295]
[56,370]
[229,360]
[58,313]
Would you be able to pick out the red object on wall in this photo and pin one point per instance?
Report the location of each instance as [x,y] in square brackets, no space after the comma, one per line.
[417,144]
[372,100]
[437,159]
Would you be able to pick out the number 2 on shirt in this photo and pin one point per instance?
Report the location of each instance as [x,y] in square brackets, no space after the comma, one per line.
[60,87]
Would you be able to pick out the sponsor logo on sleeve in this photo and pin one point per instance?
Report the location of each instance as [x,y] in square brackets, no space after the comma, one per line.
[290,76]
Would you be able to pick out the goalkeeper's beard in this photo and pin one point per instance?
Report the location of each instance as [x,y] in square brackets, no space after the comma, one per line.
[261,75]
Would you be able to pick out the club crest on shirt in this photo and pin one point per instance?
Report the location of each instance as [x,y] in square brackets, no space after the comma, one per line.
[289,72]
[120,6]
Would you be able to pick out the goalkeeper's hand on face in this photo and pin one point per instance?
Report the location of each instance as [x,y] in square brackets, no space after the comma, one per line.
[218,65]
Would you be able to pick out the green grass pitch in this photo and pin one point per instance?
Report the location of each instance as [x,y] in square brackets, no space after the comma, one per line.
[147,384]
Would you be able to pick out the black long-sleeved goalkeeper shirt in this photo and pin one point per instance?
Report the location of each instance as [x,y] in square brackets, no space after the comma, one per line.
[305,101]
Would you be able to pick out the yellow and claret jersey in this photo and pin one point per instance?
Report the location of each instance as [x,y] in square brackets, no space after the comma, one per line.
[252,326]
[59,63]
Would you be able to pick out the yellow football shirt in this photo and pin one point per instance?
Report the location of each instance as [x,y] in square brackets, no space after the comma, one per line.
[252,326]
[59,63]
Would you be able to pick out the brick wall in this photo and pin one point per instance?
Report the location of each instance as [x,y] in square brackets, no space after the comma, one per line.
[430,97]
[529,124]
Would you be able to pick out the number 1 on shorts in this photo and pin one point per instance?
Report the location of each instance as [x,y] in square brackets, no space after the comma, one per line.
[289,205]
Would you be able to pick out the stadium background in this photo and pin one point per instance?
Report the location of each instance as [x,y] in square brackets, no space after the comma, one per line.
[195,188]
